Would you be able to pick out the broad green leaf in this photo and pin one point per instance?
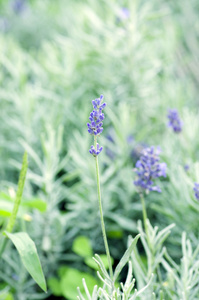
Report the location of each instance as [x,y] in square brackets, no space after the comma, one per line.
[5,196]
[6,296]
[62,270]
[115,234]
[5,292]
[5,208]
[82,246]
[35,203]
[125,257]
[4,213]
[29,256]
[54,285]
[72,279]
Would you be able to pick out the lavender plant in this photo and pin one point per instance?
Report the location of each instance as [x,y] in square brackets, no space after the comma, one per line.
[109,290]
[182,280]
[95,128]
[32,91]
[147,169]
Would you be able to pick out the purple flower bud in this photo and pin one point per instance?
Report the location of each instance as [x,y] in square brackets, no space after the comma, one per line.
[18,6]
[186,167]
[94,151]
[123,14]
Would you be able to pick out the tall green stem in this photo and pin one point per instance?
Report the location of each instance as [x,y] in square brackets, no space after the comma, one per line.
[101,213]
[148,238]
[17,202]
[144,212]
[19,193]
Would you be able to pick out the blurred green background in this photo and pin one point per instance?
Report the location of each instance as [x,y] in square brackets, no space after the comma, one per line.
[55,57]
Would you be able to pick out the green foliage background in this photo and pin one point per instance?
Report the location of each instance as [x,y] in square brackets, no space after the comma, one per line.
[55,57]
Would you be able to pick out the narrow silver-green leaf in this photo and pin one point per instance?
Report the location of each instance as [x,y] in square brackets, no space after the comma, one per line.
[29,256]
[125,257]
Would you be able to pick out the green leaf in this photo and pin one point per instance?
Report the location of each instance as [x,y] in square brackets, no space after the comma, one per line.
[92,264]
[115,234]
[54,285]
[35,203]
[6,296]
[72,279]
[5,293]
[125,257]
[6,208]
[82,246]
[5,196]
[29,256]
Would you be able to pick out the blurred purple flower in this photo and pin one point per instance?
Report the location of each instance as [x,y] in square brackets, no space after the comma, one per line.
[196,190]
[18,6]
[174,120]
[130,139]
[186,167]
[123,14]
[4,24]
[149,168]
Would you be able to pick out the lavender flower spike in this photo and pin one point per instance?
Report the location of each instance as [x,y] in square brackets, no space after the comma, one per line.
[196,190]
[96,122]
[96,117]
[174,120]
[149,168]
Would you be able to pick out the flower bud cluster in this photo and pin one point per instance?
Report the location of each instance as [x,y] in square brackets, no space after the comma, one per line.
[94,151]
[149,168]
[96,117]
[96,122]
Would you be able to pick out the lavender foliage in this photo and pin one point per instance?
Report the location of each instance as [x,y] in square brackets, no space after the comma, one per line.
[96,122]
[174,120]
[148,168]
[196,190]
